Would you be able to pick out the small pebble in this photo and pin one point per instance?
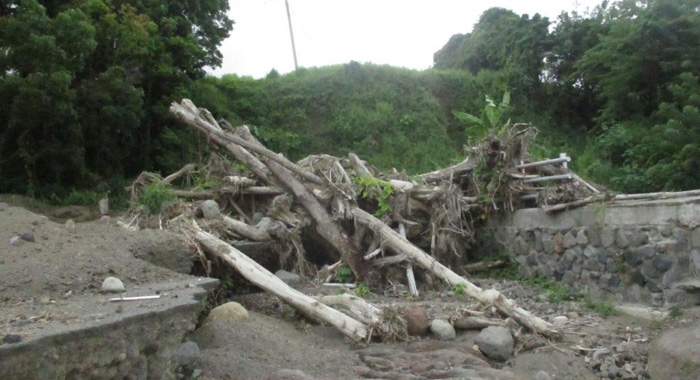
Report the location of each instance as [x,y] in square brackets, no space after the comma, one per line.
[15,241]
[112,284]
[27,236]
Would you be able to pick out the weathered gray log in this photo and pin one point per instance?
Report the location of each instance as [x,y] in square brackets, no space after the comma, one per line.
[184,171]
[325,225]
[185,111]
[267,281]
[489,297]
[250,232]
[450,172]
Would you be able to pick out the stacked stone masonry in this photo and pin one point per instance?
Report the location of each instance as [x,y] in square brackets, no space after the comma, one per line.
[640,253]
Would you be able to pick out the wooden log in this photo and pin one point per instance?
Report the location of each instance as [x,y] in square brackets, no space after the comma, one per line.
[545,162]
[250,232]
[184,113]
[389,260]
[453,171]
[483,266]
[325,225]
[574,204]
[561,177]
[267,281]
[184,171]
[356,307]
[359,166]
[412,287]
[489,297]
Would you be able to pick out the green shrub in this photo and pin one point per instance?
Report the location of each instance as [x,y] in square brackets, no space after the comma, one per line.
[77,197]
[602,307]
[362,290]
[343,274]
[155,195]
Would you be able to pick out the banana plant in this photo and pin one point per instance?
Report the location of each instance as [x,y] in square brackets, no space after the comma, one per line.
[491,117]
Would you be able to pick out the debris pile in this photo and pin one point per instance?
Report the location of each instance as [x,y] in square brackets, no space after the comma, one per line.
[365,219]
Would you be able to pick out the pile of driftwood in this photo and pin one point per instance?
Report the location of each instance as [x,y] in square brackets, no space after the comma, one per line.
[367,219]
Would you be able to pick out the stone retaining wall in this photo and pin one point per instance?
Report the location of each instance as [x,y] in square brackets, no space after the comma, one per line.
[640,252]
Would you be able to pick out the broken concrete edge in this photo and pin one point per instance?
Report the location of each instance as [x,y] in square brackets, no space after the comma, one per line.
[681,211]
[191,294]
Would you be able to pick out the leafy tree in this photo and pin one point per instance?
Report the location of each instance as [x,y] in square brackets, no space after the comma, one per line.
[87,84]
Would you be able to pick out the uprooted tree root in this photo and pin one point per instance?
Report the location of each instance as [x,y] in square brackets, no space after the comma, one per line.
[363,218]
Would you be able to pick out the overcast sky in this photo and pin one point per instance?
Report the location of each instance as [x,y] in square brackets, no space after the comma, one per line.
[402,33]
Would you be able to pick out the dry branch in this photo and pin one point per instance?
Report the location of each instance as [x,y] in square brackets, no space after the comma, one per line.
[490,297]
[262,278]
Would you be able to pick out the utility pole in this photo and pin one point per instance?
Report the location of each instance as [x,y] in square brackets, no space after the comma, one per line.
[291,34]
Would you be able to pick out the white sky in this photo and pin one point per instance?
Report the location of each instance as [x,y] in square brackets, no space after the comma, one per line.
[402,33]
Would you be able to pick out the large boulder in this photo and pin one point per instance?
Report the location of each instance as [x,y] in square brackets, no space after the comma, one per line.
[442,329]
[495,342]
[676,354]
[213,332]
[209,209]
[417,322]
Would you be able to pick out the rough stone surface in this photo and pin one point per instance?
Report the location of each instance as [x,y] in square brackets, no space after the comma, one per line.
[676,354]
[581,238]
[558,243]
[222,318]
[495,342]
[112,285]
[137,343]
[187,353]
[695,255]
[520,246]
[417,322]
[288,277]
[15,241]
[27,236]
[662,264]
[209,209]
[607,237]
[428,359]
[569,240]
[638,238]
[442,329]
[164,249]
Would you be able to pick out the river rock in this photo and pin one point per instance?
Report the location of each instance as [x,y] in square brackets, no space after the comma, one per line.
[187,353]
[442,329]
[209,209]
[15,241]
[27,236]
[495,342]
[112,285]
[417,322]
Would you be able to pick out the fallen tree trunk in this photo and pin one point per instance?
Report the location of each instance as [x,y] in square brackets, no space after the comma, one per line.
[267,281]
[489,297]
[325,225]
